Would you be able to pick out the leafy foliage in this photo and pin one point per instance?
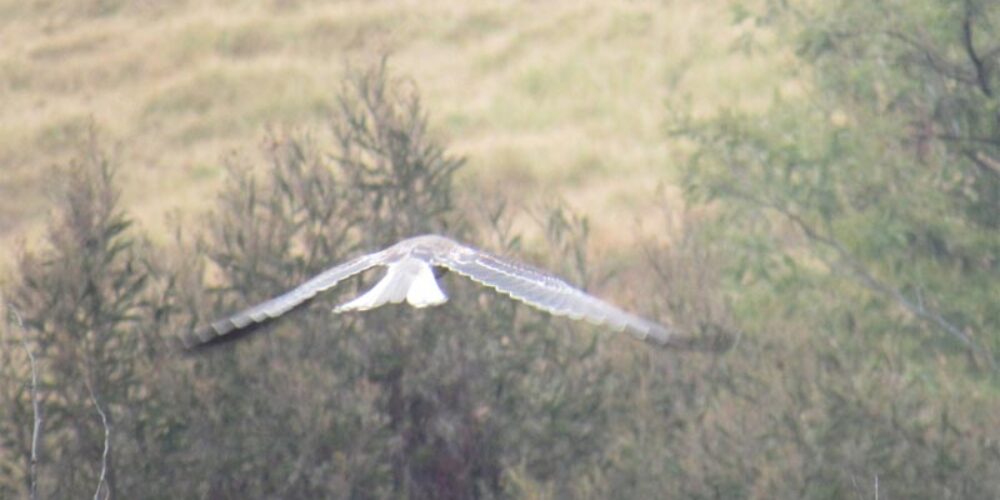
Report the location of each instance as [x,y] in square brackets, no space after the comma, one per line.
[843,246]
[864,215]
[88,311]
[882,176]
[474,400]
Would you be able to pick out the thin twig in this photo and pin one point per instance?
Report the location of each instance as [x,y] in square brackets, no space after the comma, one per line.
[873,283]
[36,431]
[981,72]
[107,442]
[987,162]
[870,281]
[857,489]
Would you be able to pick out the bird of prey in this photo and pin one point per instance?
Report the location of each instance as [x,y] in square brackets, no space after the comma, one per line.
[410,276]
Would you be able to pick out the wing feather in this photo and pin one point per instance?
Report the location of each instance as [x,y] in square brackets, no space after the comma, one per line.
[544,291]
[532,286]
[249,318]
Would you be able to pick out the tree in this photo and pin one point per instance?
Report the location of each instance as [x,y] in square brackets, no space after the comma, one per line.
[857,224]
[397,402]
[83,302]
[885,171]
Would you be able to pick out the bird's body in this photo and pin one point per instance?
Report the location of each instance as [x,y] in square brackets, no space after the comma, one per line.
[410,276]
[409,279]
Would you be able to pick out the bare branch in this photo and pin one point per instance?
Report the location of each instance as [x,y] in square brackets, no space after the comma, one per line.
[967,139]
[36,431]
[107,445]
[933,58]
[870,281]
[982,74]
[986,163]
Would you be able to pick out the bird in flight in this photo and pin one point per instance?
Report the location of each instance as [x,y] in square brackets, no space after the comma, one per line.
[410,276]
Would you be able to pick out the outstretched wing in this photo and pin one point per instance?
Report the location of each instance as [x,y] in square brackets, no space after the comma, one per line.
[546,292]
[246,320]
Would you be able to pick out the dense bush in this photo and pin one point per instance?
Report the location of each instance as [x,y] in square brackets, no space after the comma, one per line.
[859,223]
[482,398]
[842,246]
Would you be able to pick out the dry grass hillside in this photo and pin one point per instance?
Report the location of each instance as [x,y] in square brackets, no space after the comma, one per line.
[834,261]
[550,99]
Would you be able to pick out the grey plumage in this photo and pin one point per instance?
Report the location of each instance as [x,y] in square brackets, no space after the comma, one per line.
[408,278]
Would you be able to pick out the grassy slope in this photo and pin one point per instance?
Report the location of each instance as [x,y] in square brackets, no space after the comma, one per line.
[563,99]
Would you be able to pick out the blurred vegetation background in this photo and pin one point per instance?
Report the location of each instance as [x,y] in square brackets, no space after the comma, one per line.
[817,182]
